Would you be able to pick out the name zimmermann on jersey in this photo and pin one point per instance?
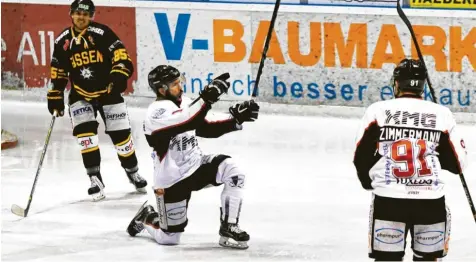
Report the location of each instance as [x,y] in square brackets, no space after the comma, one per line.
[389,133]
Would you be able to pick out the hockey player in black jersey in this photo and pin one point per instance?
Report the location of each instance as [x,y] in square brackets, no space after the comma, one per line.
[96,63]
[180,167]
[402,147]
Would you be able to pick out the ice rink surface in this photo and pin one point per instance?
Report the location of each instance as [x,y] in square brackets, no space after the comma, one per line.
[303,200]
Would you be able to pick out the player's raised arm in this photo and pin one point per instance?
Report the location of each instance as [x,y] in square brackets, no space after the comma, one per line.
[215,126]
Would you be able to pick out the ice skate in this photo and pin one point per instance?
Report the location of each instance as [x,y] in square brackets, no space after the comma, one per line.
[232,236]
[137,223]
[96,191]
[139,182]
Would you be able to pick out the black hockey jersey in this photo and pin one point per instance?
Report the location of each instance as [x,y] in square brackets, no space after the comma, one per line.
[90,59]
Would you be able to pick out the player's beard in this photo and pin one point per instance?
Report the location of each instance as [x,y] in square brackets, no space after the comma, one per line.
[176,99]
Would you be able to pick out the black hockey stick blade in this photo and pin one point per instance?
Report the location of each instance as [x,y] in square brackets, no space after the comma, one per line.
[417,47]
[17,210]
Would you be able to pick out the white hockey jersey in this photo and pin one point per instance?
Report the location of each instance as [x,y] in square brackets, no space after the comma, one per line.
[170,130]
[402,146]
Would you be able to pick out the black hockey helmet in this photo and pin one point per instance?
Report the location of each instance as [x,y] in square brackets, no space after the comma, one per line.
[410,74]
[83,5]
[162,76]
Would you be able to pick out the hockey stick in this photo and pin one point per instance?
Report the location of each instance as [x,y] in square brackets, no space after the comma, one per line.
[417,47]
[433,96]
[468,195]
[17,210]
[265,51]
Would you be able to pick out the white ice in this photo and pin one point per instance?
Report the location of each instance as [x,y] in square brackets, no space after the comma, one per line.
[303,200]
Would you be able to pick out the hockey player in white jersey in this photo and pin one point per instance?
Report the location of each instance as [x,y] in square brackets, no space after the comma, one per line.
[402,147]
[180,167]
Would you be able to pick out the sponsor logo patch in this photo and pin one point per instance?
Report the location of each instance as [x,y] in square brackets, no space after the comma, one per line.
[82,110]
[116,116]
[389,235]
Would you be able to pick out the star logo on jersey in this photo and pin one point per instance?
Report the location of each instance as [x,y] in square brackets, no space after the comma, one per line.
[86,73]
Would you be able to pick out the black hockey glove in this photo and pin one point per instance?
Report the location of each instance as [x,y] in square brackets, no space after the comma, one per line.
[245,112]
[55,102]
[366,182]
[218,86]
[118,84]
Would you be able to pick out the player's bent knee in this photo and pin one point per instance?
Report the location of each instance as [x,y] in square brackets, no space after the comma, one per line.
[167,238]
[163,238]
[230,174]
[123,143]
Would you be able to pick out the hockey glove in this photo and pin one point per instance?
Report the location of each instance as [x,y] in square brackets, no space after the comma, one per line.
[245,112]
[55,102]
[118,84]
[365,181]
[218,86]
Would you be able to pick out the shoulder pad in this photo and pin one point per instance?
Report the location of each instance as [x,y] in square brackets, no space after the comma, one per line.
[98,28]
[62,35]
[158,109]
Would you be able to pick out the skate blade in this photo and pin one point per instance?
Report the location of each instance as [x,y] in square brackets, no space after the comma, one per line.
[98,197]
[141,190]
[231,243]
[140,209]
[134,223]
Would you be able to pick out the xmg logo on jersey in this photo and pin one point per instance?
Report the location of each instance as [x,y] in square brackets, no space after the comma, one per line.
[183,143]
[417,119]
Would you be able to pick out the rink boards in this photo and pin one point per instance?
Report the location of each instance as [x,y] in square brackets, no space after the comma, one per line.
[319,55]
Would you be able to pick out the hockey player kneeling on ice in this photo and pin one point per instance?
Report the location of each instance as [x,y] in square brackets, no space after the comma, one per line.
[96,62]
[171,124]
[403,145]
